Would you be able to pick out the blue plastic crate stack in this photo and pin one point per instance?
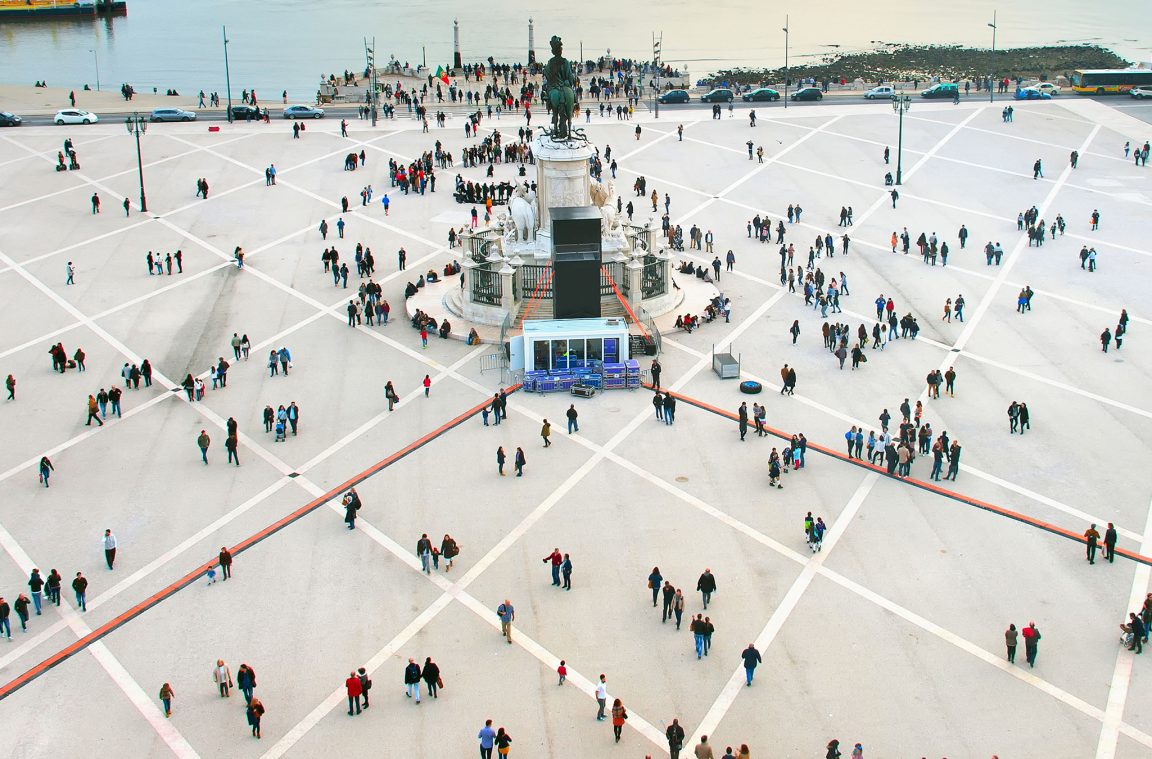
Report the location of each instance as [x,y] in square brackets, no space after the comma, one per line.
[632,374]
[562,380]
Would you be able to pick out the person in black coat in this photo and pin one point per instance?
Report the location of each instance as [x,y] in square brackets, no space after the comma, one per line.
[706,585]
[431,676]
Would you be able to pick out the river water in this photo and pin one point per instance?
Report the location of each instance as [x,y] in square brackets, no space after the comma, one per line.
[288,44]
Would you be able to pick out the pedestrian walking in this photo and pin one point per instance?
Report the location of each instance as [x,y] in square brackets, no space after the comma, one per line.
[166,696]
[487,737]
[80,586]
[20,606]
[545,431]
[46,470]
[411,681]
[430,673]
[573,424]
[519,462]
[246,681]
[1091,540]
[1031,642]
[654,582]
[751,659]
[507,614]
[109,548]
[706,585]
[222,676]
[427,381]
[675,735]
[254,712]
[1010,637]
[619,713]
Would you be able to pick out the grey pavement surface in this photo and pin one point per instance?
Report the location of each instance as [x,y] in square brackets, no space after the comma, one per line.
[892,635]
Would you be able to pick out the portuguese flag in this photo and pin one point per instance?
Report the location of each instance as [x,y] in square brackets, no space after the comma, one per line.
[442,75]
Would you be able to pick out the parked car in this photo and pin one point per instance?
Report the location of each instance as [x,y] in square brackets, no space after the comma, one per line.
[74,116]
[1048,87]
[880,93]
[722,95]
[761,94]
[807,93]
[1141,92]
[943,90]
[1031,93]
[303,112]
[9,119]
[171,114]
[674,96]
[245,112]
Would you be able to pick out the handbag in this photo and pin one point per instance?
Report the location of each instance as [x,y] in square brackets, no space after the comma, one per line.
[440,682]
[649,584]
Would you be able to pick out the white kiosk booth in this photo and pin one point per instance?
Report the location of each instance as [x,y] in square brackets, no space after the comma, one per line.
[556,354]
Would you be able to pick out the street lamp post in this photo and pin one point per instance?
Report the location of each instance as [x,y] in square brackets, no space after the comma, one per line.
[992,89]
[785,30]
[138,125]
[96,57]
[227,76]
[900,104]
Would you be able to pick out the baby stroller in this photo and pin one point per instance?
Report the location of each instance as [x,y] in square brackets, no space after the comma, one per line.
[888,179]
[1126,636]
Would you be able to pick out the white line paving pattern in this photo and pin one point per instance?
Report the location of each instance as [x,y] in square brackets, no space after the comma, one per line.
[904,609]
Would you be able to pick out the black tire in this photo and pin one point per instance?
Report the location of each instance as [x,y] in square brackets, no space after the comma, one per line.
[749,387]
[186,118]
[318,116]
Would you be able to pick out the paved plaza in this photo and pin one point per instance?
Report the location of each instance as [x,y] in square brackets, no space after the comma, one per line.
[892,635]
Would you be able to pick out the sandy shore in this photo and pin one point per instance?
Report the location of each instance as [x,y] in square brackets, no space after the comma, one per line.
[38,101]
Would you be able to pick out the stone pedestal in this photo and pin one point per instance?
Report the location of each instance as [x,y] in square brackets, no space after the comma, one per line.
[562,181]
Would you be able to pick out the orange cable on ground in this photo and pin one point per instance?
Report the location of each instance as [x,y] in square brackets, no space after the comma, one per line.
[162,595]
[936,489]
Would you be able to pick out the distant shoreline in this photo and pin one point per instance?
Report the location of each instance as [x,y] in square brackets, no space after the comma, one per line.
[948,62]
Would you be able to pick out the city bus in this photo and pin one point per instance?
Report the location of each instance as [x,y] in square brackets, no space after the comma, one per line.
[1109,81]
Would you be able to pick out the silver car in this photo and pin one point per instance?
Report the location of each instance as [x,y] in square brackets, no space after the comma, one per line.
[303,112]
[171,114]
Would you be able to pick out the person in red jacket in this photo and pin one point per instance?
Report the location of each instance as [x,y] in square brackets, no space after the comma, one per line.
[1031,640]
[557,559]
[354,690]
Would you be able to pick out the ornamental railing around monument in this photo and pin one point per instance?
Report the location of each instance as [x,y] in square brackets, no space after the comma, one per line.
[653,282]
[532,281]
[487,287]
[613,273]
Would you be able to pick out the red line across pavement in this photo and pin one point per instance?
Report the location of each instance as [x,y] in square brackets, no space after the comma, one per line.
[928,486]
[198,573]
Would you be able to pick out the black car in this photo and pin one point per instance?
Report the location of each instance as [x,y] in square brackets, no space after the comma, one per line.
[722,95]
[9,119]
[245,112]
[807,93]
[674,96]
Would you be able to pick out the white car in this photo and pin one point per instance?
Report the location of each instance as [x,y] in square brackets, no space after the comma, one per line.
[75,116]
[1141,92]
[879,93]
[1048,87]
